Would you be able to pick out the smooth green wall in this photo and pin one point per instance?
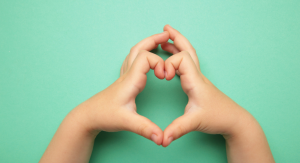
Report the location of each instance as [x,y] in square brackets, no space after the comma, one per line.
[56,54]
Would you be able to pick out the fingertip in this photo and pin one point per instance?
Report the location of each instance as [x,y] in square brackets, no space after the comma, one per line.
[159,71]
[157,136]
[172,32]
[168,77]
[169,72]
[164,145]
[154,138]
[159,75]
[167,141]
[162,37]
[166,26]
[165,33]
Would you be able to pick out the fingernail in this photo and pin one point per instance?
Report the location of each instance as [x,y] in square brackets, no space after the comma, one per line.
[166,74]
[170,140]
[154,138]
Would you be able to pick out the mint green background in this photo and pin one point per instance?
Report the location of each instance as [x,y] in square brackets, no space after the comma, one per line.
[56,54]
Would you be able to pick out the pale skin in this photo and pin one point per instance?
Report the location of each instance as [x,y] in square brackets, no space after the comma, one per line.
[114,109]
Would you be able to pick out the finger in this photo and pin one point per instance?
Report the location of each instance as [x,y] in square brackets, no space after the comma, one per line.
[179,127]
[151,42]
[148,44]
[125,64]
[122,68]
[143,126]
[169,47]
[145,61]
[182,43]
[182,62]
[179,40]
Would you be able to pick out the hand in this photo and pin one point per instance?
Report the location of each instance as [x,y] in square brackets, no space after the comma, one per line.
[209,110]
[114,108]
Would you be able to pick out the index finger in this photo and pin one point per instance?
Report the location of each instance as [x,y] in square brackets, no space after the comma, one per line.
[182,43]
[147,44]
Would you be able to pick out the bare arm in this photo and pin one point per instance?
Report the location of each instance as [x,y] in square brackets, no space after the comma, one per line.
[72,141]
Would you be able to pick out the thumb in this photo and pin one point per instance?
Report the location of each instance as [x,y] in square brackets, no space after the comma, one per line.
[141,65]
[189,74]
[182,62]
[179,127]
[143,126]
[145,61]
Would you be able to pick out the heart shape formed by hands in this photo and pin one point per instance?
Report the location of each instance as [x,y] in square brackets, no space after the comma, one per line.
[114,109]
[184,62]
[208,109]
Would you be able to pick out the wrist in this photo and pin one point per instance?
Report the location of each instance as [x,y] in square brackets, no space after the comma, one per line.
[82,121]
[246,126]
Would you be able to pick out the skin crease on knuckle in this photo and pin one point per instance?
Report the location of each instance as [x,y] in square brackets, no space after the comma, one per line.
[133,50]
[125,64]
[130,60]
[134,53]
[133,57]
[180,132]
[142,129]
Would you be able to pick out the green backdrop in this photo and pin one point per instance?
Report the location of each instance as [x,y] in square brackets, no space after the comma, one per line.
[56,54]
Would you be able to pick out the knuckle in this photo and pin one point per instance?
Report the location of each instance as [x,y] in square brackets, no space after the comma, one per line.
[142,51]
[185,53]
[126,59]
[130,60]
[133,49]
[193,49]
[181,130]
[142,129]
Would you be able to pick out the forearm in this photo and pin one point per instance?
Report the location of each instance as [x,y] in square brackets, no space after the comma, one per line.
[72,142]
[248,144]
